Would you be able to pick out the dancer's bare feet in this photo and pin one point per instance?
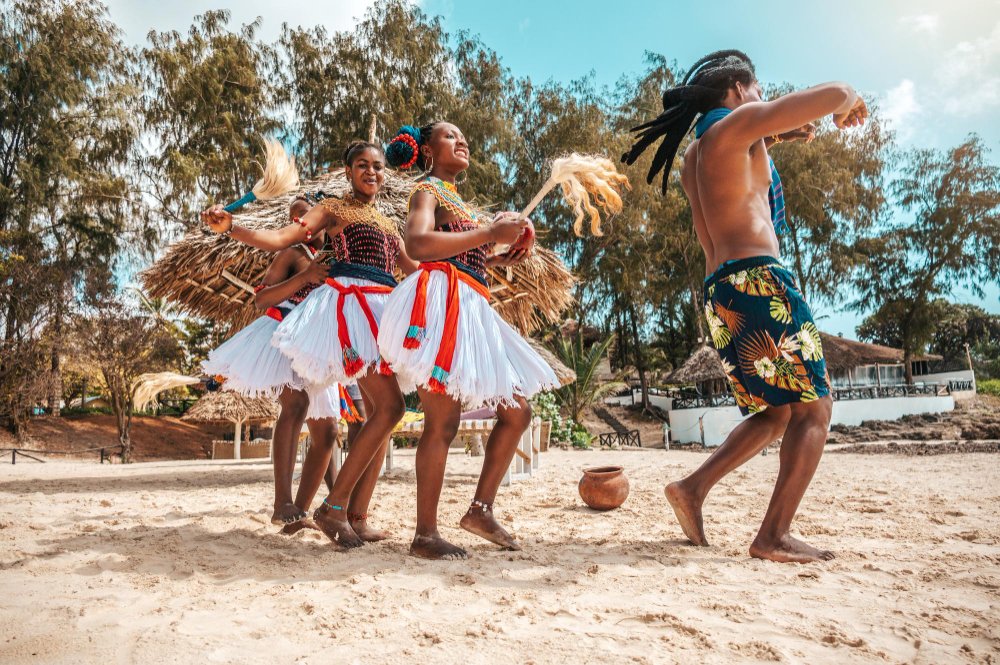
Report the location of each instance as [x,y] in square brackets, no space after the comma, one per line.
[480,521]
[295,527]
[287,513]
[787,550]
[336,527]
[436,547]
[365,532]
[687,508]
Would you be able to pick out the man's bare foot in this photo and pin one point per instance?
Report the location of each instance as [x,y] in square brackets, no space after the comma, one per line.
[788,550]
[687,509]
[288,513]
[436,547]
[365,531]
[482,523]
[336,527]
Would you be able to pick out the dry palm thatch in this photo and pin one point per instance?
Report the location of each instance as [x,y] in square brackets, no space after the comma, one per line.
[565,375]
[212,276]
[226,406]
[703,365]
[148,386]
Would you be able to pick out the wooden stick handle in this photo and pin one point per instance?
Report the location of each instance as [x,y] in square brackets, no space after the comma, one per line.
[546,188]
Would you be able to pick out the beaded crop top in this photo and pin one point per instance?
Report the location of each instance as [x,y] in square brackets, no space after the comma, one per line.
[370,238]
[448,198]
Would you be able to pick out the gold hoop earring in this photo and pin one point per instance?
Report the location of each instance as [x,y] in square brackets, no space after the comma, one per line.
[464,175]
[429,166]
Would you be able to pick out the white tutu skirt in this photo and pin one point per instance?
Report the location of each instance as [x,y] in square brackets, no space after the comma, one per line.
[309,335]
[251,364]
[323,402]
[492,362]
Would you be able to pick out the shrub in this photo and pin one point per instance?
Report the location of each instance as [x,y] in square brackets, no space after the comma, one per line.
[989,387]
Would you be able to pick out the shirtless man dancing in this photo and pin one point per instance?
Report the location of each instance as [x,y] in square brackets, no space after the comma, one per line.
[759,322]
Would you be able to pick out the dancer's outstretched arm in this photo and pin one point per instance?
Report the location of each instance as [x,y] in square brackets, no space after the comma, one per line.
[273,240]
[753,121]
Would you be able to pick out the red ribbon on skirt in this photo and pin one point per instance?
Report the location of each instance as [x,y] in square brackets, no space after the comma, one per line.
[417,331]
[352,361]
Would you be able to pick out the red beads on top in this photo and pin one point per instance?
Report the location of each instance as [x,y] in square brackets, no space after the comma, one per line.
[309,234]
[410,141]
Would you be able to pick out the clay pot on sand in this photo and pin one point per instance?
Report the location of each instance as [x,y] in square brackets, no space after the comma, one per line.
[604,487]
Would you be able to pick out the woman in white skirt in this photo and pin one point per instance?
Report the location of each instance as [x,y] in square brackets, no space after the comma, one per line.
[332,336]
[252,366]
[440,333]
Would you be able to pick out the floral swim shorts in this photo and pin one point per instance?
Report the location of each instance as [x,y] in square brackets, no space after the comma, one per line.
[765,335]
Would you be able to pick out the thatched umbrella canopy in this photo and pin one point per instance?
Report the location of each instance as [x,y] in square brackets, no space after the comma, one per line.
[703,365]
[565,375]
[212,276]
[227,406]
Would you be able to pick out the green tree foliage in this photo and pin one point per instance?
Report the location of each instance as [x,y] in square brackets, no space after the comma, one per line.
[952,239]
[122,343]
[209,97]
[585,360]
[68,139]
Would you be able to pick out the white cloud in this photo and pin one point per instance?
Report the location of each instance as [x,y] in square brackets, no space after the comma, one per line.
[899,107]
[921,23]
[968,75]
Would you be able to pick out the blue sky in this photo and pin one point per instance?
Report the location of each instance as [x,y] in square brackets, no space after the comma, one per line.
[933,67]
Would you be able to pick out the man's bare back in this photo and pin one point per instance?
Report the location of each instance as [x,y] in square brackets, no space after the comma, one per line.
[728,195]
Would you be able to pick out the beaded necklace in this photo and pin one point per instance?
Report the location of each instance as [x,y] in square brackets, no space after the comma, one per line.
[352,211]
[447,197]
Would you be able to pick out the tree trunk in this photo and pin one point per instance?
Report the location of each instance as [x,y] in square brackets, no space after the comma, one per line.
[698,316]
[804,282]
[640,363]
[908,365]
[55,377]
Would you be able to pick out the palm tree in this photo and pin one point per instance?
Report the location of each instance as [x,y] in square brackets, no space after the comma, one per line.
[586,390]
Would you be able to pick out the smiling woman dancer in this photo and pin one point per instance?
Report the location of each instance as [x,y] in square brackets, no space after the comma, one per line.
[440,333]
[253,367]
[331,337]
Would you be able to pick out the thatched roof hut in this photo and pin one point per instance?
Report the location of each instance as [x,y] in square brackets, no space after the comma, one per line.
[227,406]
[841,355]
[703,365]
[565,375]
[212,276]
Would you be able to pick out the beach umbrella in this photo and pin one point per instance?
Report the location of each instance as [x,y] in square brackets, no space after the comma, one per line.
[232,407]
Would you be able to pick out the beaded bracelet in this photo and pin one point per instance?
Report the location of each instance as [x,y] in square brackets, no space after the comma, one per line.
[309,234]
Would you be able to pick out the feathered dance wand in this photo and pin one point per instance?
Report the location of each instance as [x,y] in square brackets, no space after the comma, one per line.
[280,177]
[588,182]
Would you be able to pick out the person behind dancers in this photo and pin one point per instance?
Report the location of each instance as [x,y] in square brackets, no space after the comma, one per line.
[439,332]
[253,367]
[332,336]
[760,323]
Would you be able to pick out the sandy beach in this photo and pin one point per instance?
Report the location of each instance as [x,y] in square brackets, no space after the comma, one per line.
[177,563]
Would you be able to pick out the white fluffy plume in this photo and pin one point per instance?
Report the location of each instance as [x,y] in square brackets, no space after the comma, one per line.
[148,386]
[589,184]
[280,175]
